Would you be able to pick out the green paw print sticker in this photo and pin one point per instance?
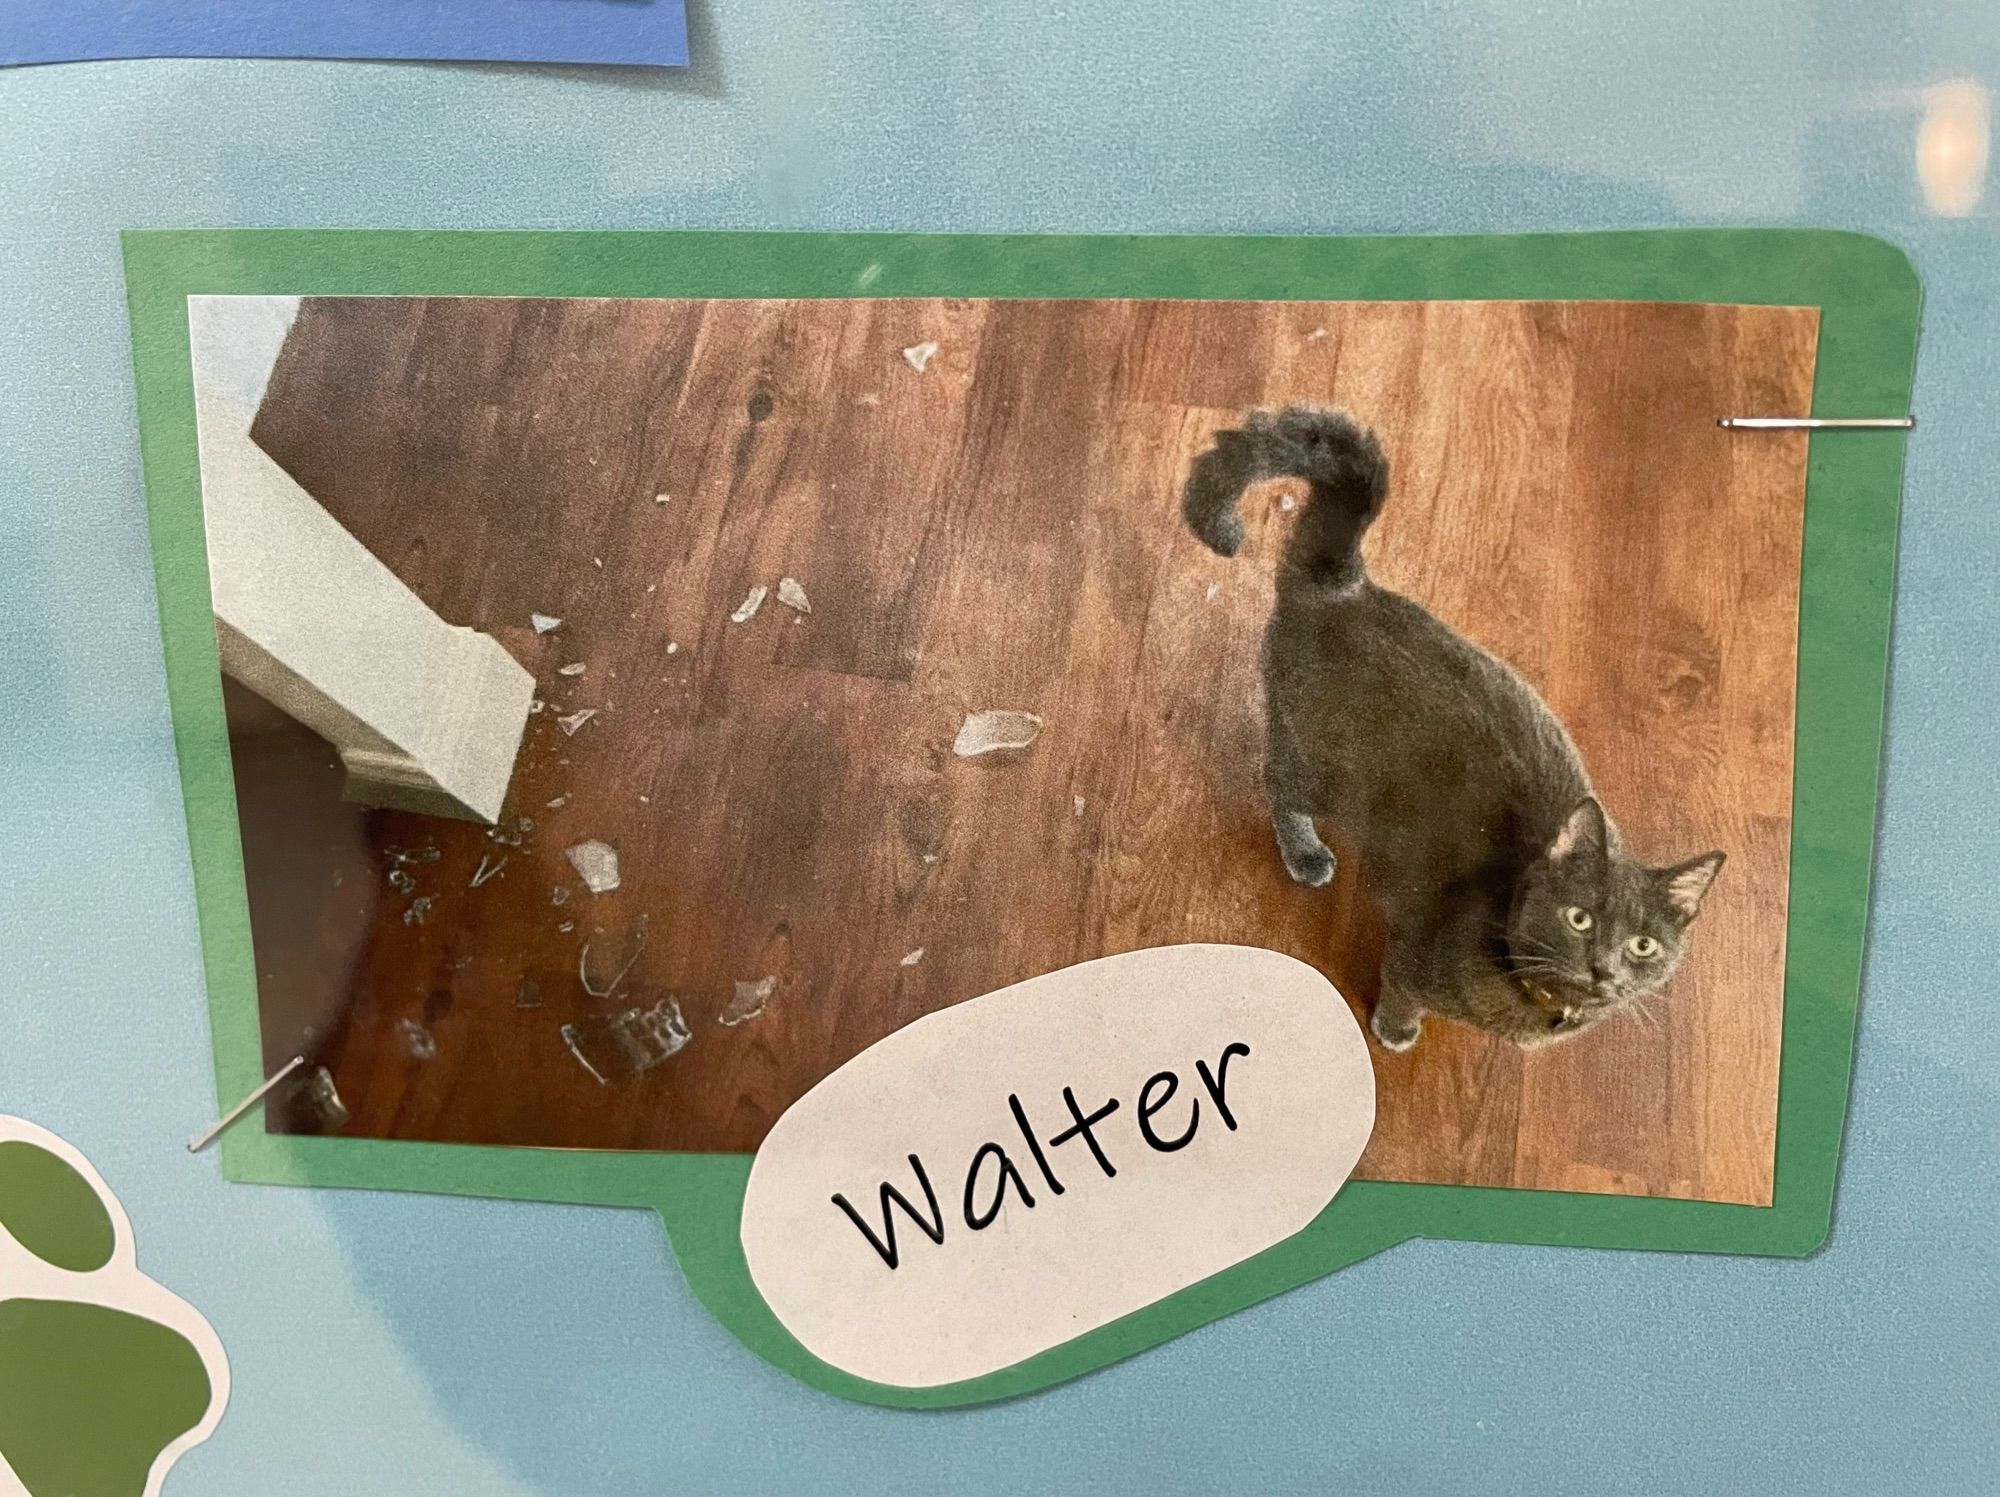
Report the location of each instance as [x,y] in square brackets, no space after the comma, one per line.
[106,1379]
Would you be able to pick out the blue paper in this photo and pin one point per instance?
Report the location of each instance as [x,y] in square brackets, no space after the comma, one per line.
[649,32]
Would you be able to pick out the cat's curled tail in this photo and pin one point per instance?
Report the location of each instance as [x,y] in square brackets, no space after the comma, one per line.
[1339,459]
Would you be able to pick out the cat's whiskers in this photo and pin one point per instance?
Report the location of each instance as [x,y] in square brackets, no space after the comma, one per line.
[1532,956]
[1515,937]
[1531,972]
[1638,1009]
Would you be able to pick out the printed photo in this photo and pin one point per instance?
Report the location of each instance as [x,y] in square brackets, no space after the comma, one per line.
[639,707]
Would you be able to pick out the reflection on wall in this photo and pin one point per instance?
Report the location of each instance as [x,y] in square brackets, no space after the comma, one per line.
[1952,146]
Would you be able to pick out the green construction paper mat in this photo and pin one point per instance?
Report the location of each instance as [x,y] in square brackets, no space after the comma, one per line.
[1869,298]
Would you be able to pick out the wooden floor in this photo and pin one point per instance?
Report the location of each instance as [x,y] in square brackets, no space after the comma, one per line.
[1000,531]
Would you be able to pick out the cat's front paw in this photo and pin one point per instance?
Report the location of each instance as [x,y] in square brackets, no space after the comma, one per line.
[1312,867]
[1394,1030]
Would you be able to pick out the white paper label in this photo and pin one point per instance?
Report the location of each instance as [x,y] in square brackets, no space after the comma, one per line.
[1000,1177]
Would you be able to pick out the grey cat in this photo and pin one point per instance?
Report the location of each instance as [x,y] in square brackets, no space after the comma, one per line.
[1510,902]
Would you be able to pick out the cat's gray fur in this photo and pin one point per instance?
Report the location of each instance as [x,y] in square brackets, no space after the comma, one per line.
[1438,766]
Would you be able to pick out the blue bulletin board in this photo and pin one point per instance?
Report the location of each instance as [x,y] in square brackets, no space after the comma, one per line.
[387,1343]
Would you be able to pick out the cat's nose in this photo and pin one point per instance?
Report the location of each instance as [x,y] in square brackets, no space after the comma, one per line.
[1600,972]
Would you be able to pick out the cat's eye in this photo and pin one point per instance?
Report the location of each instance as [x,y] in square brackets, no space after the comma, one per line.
[1579,919]
[1645,948]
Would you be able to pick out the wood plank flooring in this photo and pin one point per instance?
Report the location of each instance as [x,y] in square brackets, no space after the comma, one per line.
[1001,530]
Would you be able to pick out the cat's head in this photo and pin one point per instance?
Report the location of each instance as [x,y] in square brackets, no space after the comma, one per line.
[1595,927]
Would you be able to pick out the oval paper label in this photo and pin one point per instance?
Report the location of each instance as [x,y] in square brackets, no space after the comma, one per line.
[1000,1177]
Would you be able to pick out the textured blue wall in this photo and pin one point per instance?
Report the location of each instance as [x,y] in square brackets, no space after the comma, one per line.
[384,1343]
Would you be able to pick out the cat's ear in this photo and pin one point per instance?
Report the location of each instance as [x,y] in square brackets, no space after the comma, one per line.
[1684,884]
[1583,834]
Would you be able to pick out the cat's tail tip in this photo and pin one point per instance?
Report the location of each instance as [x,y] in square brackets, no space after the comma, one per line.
[1208,498]
[1337,456]
[1223,536]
